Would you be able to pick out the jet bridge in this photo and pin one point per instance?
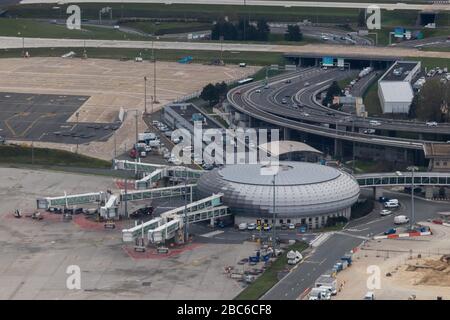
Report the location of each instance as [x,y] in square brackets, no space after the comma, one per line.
[71,200]
[136,166]
[158,193]
[174,173]
[165,227]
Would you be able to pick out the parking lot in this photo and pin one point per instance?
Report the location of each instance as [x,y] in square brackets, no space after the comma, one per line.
[43,117]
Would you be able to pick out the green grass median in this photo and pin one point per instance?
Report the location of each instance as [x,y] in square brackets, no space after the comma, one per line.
[18,155]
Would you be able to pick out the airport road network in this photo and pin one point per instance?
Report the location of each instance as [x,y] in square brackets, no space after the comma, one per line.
[328,252]
[264,104]
[318,49]
[310,4]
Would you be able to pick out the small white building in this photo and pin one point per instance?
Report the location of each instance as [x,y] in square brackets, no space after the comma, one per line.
[395,97]
[394,87]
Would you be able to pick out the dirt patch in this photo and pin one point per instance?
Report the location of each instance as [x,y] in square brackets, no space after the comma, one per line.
[433,272]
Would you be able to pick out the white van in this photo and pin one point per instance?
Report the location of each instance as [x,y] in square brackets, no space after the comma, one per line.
[401,219]
[390,204]
[243,226]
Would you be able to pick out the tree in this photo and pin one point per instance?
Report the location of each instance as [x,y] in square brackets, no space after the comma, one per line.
[293,33]
[210,94]
[225,29]
[362,18]
[333,90]
[432,97]
[222,89]
[263,30]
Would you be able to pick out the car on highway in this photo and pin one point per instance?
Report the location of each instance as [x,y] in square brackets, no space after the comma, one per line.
[258,91]
[251,226]
[431,124]
[369,131]
[305,114]
[374,123]
[306,84]
[284,101]
[288,81]
[385,212]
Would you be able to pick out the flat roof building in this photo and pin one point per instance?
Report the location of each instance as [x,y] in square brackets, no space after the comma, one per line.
[394,87]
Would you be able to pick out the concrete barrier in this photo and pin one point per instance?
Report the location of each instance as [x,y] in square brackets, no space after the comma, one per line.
[403,235]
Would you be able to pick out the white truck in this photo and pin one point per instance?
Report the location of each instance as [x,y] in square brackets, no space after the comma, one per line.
[401,219]
[294,257]
[327,283]
[319,294]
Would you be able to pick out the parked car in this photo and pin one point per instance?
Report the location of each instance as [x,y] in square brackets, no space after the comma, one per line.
[369,296]
[291,226]
[390,231]
[243,226]
[251,226]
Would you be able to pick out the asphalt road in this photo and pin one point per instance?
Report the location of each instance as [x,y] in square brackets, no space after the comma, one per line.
[319,49]
[314,4]
[441,42]
[297,93]
[329,252]
[332,35]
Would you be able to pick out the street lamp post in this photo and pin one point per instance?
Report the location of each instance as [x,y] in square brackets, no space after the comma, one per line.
[145,94]
[274,216]
[412,220]
[186,234]
[77,115]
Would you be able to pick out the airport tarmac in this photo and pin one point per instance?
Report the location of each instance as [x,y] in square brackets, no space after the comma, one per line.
[35,255]
[110,86]
[43,117]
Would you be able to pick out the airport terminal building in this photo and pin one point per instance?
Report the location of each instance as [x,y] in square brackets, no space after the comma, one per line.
[305,193]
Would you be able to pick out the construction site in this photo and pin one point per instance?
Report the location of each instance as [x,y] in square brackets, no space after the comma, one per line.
[410,268]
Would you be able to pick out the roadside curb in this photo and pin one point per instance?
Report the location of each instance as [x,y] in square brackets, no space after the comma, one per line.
[403,235]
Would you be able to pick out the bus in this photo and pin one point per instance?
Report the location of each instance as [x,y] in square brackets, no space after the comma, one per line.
[244,81]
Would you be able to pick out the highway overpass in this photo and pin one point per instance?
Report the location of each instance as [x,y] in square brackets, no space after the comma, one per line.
[303,114]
